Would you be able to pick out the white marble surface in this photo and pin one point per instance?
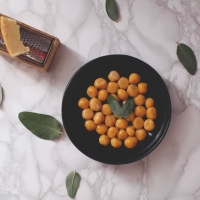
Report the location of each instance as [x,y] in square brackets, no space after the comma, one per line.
[35,169]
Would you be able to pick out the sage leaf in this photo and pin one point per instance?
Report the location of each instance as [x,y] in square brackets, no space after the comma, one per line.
[127,108]
[114,105]
[1,95]
[119,111]
[187,58]
[72,183]
[112,10]
[43,126]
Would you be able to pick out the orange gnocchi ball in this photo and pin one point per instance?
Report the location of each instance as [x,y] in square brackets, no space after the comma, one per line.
[83,103]
[90,125]
[116,143]
[149,102]
[140,111]
[95,104]
[122,94]
[121,123]
[100,83]
[106,110]
[101,129]
[142,88]
[98,118]
[151,113]
[102,95]
[139,100]
[149,124]
[87,113]
[138,123]
[112,87]
[112,132]
[140,134]
[123,83]
[122,135]
[92,91]
[110,120]
[130,130]
[132,90]
[104,140]
[134,78]
[113,76]
[130,142]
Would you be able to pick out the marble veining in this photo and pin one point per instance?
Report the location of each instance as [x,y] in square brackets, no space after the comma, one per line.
[34,169]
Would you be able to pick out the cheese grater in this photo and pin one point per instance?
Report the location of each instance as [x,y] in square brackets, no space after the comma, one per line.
[42,46]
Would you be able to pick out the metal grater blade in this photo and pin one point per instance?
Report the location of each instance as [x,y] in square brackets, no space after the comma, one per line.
[40,45]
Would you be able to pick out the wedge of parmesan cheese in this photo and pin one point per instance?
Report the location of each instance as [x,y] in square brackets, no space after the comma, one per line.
[11,37]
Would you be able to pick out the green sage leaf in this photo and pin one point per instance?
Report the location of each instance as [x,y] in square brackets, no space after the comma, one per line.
[43,126]
[127,108]
[114,105]
[72,183]
[187,58]
[1,95]
[112,10]
[119,111]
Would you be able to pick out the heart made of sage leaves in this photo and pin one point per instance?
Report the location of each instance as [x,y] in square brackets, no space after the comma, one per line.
[121,112]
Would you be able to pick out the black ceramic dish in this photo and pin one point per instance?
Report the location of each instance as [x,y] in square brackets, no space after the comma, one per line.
[87,142]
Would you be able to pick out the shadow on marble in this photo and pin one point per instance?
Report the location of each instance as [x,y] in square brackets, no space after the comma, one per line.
[66,60]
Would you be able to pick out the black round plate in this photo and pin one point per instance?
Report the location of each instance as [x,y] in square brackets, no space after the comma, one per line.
[88,142]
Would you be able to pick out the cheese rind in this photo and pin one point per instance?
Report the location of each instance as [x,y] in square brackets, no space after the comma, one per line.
[11,37]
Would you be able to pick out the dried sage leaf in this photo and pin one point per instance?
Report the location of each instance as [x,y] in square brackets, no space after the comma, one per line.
[1,95]
[112,10]
[72,183]
[187,58]
[121,112]
[43,126]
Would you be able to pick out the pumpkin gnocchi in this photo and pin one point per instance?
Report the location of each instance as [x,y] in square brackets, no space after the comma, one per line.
[115,130]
